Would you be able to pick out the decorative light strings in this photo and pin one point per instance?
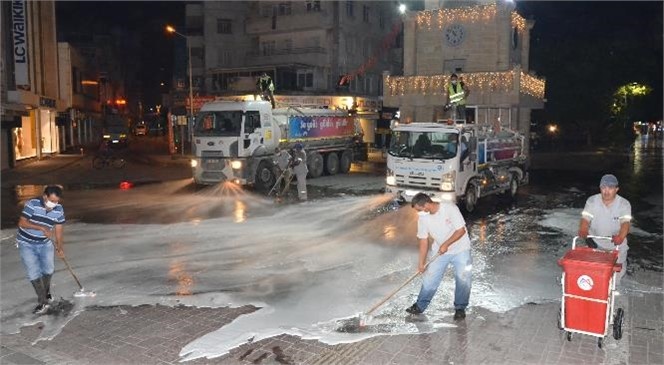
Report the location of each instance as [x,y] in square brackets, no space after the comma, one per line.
[476,81]
[470,14]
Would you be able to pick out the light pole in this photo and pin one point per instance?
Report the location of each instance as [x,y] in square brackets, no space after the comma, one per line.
[172,30]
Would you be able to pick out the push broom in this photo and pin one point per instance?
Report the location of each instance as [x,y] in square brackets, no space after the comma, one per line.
[364,318]
[81,292]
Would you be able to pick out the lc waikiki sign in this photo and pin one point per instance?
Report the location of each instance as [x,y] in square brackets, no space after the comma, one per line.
[20,40]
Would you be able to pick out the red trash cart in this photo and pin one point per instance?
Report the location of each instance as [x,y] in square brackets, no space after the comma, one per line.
[589,289]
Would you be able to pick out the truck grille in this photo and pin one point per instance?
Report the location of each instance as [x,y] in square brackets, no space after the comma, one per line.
[418,181]
[215,176]
[214,165]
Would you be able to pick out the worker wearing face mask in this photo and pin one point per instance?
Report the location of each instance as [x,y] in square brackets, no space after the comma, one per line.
[39,236]
[443,222]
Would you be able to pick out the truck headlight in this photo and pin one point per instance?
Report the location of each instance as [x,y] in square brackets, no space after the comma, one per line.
[448,181]
[194,163]
[236,165]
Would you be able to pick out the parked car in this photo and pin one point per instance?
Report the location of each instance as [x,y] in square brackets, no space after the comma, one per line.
[141,130]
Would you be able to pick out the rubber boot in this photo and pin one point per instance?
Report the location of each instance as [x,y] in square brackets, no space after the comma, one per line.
[38,284]
[46,281]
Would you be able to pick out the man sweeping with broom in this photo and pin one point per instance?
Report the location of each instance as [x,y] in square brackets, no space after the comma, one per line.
[445,224]
[39,237]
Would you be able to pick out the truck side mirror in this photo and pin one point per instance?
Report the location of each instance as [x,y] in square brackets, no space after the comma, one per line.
[473,156]
[473,143]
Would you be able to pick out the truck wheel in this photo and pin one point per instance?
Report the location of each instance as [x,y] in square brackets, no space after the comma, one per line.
[332,163]
[264,177]
[470,200]
[345,161]
[315,165]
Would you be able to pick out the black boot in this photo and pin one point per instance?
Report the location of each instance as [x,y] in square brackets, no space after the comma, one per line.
[42,307]
[46,281]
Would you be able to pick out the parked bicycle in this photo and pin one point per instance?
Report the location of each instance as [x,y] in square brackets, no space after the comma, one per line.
[101,161]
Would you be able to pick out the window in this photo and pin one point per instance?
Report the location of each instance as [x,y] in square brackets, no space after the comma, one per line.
[252,121]
[223,57]
[224,26]
[218,124]
[284,8]
[381,20]
[368,85]
[313,42]
[75,80]
[349,8]
[305,79]
[267,10]
[267,48]
[365,13]
[313,5]
[287,44]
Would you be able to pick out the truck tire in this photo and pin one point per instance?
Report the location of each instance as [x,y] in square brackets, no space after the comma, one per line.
[264,177]
[315,165]
[345,161]
[332,163]
[470,198]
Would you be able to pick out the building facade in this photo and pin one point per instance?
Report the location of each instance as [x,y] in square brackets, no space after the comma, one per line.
[308,48]
[487,44]
[30,91]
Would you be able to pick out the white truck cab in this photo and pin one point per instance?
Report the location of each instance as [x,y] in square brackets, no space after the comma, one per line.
[453,161]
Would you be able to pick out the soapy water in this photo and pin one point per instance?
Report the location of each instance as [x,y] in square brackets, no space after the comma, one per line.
[312,269]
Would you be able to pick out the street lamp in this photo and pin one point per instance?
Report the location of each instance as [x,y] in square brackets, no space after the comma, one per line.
[172,30]
[402,8]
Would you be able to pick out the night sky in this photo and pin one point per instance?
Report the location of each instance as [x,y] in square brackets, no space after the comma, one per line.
[585,50]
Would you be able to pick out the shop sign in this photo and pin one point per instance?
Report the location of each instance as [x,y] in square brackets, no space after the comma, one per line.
[20,44]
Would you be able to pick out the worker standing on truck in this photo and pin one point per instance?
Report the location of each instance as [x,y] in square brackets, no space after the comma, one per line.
[266,87]
[300,169]
[457,93]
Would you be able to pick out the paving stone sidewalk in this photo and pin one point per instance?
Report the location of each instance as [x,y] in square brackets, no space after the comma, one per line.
[525,335]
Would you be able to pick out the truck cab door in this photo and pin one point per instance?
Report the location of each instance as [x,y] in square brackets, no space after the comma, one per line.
[252,138]
[467,160]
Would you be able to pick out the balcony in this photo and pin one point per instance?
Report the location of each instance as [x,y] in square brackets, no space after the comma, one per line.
[288,23]
[304,55]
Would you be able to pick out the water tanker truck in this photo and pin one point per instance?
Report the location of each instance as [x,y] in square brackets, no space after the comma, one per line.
[235,141]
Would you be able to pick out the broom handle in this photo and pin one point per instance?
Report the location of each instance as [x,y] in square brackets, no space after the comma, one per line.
[72,272]
[401,287]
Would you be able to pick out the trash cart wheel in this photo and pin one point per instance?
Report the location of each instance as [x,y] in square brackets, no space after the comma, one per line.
[600,342]
[569,336]
[617,323]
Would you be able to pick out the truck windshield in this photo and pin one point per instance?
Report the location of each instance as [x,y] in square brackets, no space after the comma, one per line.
[429,145]
[225,123]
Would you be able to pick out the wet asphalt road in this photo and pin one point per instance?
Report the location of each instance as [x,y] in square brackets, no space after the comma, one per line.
[556,181]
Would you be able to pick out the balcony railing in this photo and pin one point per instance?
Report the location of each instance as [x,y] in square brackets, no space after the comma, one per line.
[505,81]
[291,51]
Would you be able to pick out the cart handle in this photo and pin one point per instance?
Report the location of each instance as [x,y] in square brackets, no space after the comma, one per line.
[599,237]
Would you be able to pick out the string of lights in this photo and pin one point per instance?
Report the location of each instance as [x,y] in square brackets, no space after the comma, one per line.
[480,81]
[430,19]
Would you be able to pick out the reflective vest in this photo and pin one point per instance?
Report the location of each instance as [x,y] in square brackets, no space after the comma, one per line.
[457,97]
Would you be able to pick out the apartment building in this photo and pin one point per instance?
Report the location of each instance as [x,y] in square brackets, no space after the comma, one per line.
[306,46]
